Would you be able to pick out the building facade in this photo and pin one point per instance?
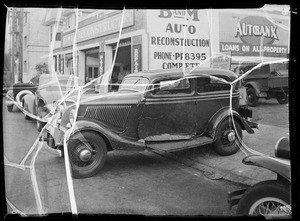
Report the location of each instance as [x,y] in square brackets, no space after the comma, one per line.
[164,39]
[35,41]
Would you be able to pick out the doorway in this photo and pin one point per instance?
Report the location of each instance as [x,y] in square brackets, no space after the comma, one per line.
[122,65]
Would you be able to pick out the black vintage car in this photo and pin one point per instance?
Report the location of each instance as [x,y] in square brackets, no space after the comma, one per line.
[162,109]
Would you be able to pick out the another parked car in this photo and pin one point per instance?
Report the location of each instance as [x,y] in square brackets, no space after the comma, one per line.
[268,81]
[162,109]
[16,94]
[50,89]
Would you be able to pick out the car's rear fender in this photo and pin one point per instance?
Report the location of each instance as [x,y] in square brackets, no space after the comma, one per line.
[113,140]
[223,114]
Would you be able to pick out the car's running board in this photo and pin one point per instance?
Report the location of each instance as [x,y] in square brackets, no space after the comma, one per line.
[179,145]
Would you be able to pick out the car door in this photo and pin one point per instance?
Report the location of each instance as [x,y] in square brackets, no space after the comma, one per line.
[169,111]
[213,94]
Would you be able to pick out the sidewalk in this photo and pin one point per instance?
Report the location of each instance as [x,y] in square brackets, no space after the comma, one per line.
[231,167]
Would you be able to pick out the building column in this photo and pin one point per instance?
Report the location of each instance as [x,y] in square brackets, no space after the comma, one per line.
[81,66]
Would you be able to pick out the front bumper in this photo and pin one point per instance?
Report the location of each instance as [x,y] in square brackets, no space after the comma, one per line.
[234,197]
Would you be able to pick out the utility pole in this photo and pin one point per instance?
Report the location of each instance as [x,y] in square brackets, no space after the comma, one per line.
[17,44]
[12,33]
[20,49]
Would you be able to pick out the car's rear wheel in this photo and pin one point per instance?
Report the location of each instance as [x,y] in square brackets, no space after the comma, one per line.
[10,108]
[227,138]
[88,152]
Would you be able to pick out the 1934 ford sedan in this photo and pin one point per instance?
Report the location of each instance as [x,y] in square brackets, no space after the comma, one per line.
[162,109]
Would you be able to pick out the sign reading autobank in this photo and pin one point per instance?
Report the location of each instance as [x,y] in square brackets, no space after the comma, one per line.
[172,40]
[103,27]
[253,35]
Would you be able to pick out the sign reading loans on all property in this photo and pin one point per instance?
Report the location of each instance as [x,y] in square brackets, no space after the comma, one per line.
[254,35]
[172,39]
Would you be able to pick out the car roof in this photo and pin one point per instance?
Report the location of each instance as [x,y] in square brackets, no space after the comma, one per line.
[178,72]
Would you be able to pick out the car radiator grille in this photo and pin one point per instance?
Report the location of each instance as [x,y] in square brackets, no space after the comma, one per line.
[114,115]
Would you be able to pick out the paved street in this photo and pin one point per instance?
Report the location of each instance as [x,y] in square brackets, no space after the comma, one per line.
[133,183]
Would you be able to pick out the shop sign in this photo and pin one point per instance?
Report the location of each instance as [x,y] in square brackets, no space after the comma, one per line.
[173,40]
[253,35]
[221,60]
[101,62]
[137,64]
[103,27]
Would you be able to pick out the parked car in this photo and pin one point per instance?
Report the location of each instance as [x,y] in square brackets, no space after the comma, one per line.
[268,81]
[161,109]
[48,92]
[16,94]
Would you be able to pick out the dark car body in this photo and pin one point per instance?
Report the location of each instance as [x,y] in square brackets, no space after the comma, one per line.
[161,109]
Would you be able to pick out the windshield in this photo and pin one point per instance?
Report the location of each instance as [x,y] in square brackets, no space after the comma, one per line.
[134,83]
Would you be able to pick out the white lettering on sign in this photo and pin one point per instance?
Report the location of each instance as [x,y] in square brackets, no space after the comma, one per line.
[179,14]
[243,29]
[176,44]
[100,28]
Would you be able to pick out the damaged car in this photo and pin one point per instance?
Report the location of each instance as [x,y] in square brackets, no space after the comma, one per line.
[49,90]
[163,110]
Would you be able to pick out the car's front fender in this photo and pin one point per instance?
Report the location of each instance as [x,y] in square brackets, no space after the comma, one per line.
[115,140]
[278,165]
[220,116]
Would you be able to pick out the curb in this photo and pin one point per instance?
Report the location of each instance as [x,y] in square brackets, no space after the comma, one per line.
[207,171]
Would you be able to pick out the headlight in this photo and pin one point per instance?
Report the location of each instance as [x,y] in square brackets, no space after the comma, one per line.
[72,116]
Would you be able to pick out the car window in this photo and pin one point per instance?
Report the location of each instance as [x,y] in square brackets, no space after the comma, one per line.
[134,84]
[172,87]
[211,84]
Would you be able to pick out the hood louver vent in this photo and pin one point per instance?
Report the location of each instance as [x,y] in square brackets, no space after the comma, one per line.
[114,115]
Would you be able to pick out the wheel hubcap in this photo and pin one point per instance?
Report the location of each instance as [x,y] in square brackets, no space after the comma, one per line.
[231,136]
[85,155]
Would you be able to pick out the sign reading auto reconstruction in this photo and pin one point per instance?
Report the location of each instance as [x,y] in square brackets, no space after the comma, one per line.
[172,40]
[103,27]
[253,35]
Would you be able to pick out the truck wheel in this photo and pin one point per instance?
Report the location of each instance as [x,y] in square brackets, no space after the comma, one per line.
[227,141]
[282,98]
[88,152]
[265,199]
[10,108]
[252,98]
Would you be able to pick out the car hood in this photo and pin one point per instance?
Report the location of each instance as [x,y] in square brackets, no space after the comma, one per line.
[109,98]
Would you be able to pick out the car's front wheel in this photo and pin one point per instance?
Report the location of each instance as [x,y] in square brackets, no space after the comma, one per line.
[87,151]
[252,99]
[270,199]
[41,112]
[227,138]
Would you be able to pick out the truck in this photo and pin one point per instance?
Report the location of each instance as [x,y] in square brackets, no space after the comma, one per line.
[268,81]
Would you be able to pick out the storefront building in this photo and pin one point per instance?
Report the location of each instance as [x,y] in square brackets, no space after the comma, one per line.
[165,39]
